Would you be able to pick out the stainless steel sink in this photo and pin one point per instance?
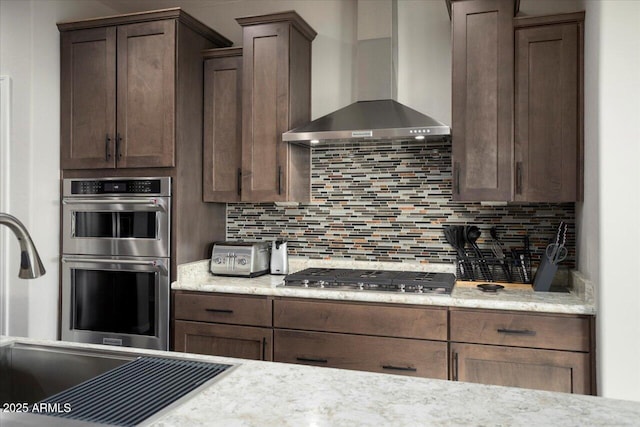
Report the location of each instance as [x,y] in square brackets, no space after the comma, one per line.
[29,373]
[138,387]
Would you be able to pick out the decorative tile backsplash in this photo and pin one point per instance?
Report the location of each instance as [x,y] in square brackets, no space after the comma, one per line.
[388,201]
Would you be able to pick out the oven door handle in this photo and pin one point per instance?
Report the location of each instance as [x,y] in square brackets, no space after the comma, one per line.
[155,204]
[157,265]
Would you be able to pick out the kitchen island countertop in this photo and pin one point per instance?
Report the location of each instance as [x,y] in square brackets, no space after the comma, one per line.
[196,277]
[276,394]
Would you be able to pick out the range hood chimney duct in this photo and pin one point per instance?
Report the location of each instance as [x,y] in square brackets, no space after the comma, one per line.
[376,115]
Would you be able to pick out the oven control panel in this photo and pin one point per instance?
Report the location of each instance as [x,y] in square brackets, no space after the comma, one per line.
[117,186]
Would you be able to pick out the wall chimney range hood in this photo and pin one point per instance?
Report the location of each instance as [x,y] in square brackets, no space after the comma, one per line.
[376,116]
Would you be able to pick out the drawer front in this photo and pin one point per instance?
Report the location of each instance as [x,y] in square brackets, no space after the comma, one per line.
[550,370]
[368,319]
[238,310]
[521,330]
[363,353]
[245,342]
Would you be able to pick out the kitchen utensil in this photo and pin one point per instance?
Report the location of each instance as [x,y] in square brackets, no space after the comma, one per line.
[498,251]
[556,253]
[454,234]
[517,264]
[472,234]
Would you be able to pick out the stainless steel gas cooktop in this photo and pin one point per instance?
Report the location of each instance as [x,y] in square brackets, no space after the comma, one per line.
[372,280]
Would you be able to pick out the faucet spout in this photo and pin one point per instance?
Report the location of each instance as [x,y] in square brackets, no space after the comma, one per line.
[30,263]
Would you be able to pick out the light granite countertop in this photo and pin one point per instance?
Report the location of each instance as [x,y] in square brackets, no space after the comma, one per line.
[195,276]
[276,394]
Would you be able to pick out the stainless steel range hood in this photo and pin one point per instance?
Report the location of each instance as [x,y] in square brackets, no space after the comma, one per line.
[377,116]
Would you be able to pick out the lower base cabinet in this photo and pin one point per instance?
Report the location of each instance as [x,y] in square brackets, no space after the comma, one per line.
[243,342]
[418,358]
[543,351]
[550,370]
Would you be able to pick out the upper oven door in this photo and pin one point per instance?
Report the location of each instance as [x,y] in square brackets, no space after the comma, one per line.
[129,226]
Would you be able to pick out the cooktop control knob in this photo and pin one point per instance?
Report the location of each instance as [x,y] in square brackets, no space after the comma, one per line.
[217,260]
[242,261]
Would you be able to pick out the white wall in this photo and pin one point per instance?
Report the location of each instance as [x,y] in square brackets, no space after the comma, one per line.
[332,49]
[612,117]
[30,55]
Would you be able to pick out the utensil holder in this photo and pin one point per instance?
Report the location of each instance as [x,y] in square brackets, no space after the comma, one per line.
[513,269]
[544,276]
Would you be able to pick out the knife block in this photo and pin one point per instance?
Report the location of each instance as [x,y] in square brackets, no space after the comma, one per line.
[544,276]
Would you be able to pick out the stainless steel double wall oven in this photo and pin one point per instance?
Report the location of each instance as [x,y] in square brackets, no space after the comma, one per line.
[115,263]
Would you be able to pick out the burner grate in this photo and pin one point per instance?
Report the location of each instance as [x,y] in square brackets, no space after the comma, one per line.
[373,280]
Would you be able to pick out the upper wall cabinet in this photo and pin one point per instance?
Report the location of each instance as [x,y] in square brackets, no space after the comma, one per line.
[517,104]
[548,108]
[276,97]
[482,101]
[118,89]
[222,163]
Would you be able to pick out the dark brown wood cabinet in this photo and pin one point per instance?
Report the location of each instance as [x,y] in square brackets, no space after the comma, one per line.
[403,340]
[542,351]
[538,351]
[222,163]
[548,108]
[223,325]
[482,99]
[420,358]
[119,89]
[276,75]
[517,104]
[140,75]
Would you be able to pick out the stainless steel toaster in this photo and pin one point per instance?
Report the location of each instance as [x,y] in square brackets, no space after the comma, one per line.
[240,259]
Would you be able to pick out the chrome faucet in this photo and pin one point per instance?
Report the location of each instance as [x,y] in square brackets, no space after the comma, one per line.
[30,263]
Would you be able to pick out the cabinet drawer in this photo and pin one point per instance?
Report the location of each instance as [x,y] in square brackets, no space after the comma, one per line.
[244,342]
[562,371]
[375,354]
[238,310]
[368,319]
[521,330]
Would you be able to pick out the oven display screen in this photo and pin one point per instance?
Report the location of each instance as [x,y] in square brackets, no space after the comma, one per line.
[115,187]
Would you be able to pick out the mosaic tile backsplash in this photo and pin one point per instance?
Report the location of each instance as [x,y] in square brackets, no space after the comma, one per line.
[388,202]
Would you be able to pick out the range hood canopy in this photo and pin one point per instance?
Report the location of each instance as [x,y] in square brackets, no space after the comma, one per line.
[376,115]
[367,121]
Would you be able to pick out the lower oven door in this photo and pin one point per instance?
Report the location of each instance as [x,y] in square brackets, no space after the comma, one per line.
[116,301]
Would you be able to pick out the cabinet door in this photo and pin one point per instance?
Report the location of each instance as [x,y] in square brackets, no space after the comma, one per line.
[521,367]
[222,129]
[482,103]
[265,111]
[146,94]
[364,353]
[243,342]
[88,98]
[547,126]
